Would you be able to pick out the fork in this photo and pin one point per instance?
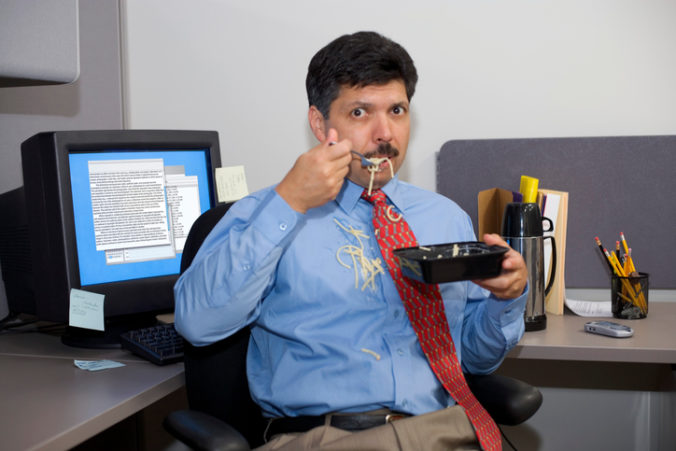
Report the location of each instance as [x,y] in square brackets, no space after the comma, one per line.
[364,161]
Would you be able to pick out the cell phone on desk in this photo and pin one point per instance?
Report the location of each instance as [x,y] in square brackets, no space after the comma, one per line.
[609,328]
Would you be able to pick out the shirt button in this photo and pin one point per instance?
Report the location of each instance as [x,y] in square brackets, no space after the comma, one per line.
[282,226]
[400,351]
[397,313]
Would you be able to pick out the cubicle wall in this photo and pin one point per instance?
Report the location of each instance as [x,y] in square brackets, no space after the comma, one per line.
[616,184]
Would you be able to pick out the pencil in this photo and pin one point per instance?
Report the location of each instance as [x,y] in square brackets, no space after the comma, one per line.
[630,261]
[603,255]
[633,273]
[614,263]
[637,300]
[625,264]
[624,242]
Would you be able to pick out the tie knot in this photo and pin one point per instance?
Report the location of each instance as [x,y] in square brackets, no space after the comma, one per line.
[376,196]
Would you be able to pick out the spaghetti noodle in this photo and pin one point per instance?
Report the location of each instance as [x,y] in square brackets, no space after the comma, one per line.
[375,167]
[367,268]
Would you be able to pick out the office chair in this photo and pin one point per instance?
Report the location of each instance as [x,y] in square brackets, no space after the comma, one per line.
[223,416]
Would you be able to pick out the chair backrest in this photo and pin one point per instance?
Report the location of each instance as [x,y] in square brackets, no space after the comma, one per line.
[215,375]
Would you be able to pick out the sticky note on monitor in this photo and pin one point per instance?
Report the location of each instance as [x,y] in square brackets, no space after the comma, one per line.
[231,183]
[86,310]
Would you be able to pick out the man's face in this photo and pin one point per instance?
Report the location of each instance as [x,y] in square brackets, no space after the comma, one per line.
[376,119]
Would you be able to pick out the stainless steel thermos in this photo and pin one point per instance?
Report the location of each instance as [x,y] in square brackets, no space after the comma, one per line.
[522,228]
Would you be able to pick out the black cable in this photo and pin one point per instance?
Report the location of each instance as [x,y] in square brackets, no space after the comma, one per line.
[17,324]
[10,321]
[506,439]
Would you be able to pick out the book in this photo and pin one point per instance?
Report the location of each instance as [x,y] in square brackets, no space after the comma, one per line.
[555,207]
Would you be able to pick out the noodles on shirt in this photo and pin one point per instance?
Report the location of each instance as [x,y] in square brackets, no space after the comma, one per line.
[367,268]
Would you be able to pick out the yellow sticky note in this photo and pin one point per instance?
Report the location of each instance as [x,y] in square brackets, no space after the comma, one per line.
[231,183]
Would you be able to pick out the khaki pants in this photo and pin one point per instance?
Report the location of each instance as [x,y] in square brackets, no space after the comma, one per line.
[447,429]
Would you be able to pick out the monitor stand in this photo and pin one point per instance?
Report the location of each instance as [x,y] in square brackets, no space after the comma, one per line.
[109,338]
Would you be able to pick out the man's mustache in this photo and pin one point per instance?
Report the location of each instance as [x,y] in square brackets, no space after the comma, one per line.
[384,149]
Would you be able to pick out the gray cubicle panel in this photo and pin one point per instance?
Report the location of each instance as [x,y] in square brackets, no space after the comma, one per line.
[615,184]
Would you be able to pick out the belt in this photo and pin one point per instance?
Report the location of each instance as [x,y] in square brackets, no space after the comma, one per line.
[349,422]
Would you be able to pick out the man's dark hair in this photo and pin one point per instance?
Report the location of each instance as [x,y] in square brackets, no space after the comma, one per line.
[357,60]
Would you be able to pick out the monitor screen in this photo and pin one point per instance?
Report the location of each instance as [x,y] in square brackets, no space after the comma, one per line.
[133,210]
[109,211]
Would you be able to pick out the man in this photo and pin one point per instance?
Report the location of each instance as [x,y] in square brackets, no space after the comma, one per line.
[332,341]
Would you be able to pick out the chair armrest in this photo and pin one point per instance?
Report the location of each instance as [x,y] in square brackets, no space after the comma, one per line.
[201,431]
[509,401]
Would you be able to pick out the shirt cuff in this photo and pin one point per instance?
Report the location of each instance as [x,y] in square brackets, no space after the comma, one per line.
[506,312]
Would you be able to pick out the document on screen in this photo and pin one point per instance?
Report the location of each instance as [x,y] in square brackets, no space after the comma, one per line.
[142,209]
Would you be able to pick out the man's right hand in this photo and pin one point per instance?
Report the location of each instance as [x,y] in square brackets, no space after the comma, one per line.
[317,175]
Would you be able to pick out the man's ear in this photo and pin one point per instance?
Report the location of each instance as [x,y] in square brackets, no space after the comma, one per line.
[317,123]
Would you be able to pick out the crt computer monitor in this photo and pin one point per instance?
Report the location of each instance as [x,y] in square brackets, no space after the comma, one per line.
[108,212]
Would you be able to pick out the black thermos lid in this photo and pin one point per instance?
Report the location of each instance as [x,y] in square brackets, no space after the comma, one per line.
[522,220]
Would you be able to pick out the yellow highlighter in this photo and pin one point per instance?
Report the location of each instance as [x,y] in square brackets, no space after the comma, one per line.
[529,188]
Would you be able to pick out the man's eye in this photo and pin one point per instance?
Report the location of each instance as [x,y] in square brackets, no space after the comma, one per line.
[358,112]
[398,110]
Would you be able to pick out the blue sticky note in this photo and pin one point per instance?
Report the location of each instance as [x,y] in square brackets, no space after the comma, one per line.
[86,310]
[97,365]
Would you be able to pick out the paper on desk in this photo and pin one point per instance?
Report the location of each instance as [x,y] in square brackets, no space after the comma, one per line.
[231,183]
[590,308]
[97,365]
[86,310]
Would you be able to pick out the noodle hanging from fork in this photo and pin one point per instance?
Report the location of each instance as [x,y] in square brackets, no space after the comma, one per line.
[375,167]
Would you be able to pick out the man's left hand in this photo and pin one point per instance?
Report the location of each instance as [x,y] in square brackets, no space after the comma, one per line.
[514,276]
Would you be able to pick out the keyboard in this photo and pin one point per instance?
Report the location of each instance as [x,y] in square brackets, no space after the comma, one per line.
[160,344]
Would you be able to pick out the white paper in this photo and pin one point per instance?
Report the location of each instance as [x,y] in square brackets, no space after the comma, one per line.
[599,309]
[182,203]
[86,310]
[183,197]
[231,183]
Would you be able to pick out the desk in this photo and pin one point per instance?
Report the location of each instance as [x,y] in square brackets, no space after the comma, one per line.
[48,403]
[54,405]
[654,339]
[599,392]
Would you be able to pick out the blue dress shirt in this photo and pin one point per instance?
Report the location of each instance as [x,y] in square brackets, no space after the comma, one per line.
[327,333]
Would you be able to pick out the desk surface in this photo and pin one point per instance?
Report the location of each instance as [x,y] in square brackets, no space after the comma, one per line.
[49,403]
[52,404]
[654,339]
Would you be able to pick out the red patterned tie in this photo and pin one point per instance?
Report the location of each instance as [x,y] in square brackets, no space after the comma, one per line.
[425,310]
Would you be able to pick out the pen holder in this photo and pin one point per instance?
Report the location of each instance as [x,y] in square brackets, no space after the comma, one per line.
[629,296]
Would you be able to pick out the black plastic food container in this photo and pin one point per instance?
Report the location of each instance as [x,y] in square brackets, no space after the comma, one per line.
[451,262]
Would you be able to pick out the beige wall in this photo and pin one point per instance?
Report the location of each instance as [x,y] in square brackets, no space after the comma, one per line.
[488,69]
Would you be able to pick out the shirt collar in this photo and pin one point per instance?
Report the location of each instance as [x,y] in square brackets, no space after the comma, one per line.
[350,193]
